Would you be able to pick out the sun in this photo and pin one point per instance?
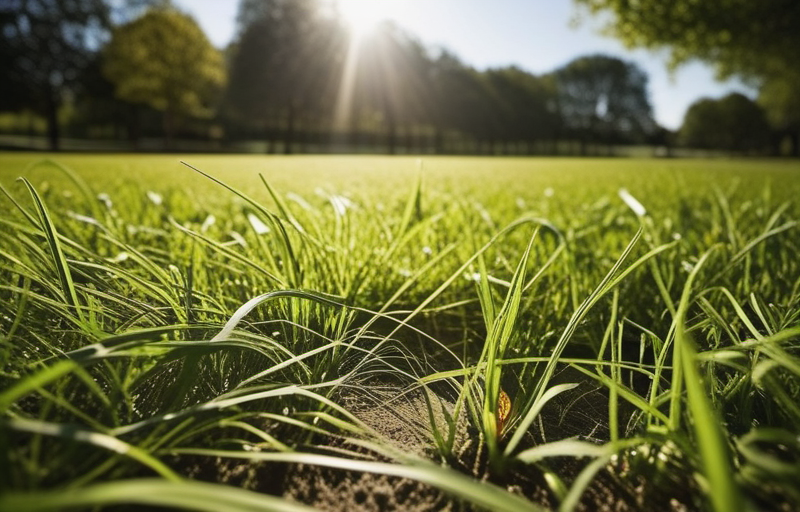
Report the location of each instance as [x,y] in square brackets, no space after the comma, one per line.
[362,16]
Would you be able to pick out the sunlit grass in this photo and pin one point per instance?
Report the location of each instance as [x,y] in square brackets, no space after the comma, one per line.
[154,317]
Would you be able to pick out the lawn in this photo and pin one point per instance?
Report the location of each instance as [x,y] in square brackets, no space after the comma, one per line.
[382,333]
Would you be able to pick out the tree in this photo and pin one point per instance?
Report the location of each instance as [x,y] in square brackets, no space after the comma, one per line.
[462,100]
[284,65]
[44,46]
[392,79]
[163,59]
[739,36]
[524,102]
[733,123]
[757,40]
[604,97]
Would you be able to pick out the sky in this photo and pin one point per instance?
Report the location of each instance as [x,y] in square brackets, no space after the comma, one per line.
[535,35]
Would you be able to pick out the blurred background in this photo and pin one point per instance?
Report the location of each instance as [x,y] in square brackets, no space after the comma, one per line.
[500,77]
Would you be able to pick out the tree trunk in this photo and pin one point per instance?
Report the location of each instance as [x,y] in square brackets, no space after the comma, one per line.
[289,137]
[51,113]
[392,137]
[269,137]
[169,128]
[134,127]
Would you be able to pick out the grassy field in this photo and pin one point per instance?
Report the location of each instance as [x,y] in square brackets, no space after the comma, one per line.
[480,333]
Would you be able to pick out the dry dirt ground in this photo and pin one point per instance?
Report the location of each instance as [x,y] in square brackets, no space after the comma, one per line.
[401,418]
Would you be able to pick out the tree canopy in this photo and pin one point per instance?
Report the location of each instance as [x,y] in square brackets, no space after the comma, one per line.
[284,64]
[740,37]
[604,96]
[46,44]
[163,59]
[732,123]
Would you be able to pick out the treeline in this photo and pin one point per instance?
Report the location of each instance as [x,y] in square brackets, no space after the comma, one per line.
[297,80]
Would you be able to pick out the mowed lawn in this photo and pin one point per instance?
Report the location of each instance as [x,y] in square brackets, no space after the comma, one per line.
[640,313]
[387,175]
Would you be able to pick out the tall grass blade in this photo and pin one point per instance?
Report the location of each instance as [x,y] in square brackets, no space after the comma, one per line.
[62,268]
[185,495]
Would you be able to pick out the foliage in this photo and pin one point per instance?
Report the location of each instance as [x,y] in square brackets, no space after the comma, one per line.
[780,98]
[163,59]
[392,79]
[755,40]
[732,123]
[296,67]
[284,65]
[741,37]
[605,97]
[525,103]
[46,44]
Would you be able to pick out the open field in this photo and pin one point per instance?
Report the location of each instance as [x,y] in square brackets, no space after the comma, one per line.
[372,333]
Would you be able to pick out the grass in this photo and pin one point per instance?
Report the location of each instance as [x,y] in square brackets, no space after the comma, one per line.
[158,317]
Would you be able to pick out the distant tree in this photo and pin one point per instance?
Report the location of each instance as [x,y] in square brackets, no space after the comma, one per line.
[45,44]
[525,105]
[97,106]
[284,64]
[393,79]
[462,100]
[163,59]
[733,123]
[604,98]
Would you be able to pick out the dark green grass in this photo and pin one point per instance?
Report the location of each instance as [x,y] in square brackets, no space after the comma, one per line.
[150,314]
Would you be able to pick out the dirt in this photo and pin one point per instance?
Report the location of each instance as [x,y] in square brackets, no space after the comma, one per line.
[402,419]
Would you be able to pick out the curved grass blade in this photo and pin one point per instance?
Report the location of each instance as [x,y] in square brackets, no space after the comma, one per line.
[185,495]
[60,261]
[72,433]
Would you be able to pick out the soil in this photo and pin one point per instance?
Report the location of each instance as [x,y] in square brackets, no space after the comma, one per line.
[401,417]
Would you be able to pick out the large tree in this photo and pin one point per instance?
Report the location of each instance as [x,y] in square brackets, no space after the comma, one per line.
[757,40]
[603,98]
[393,80]
[525,104]
[284,65]
[163,59]
[45,45]
[746,37]
[461,101]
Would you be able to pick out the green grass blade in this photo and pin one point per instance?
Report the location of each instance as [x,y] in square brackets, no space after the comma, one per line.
[75,434]
[60,261]
[185,495]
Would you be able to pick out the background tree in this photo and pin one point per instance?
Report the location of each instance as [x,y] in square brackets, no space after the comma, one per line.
[393,73]
[604,97]
[462,102]
[733,123]
[757,40]
[525,104]
[284,65]
[44,46]
[163,59]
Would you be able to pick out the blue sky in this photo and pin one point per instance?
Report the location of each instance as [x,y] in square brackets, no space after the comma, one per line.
[536,35]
